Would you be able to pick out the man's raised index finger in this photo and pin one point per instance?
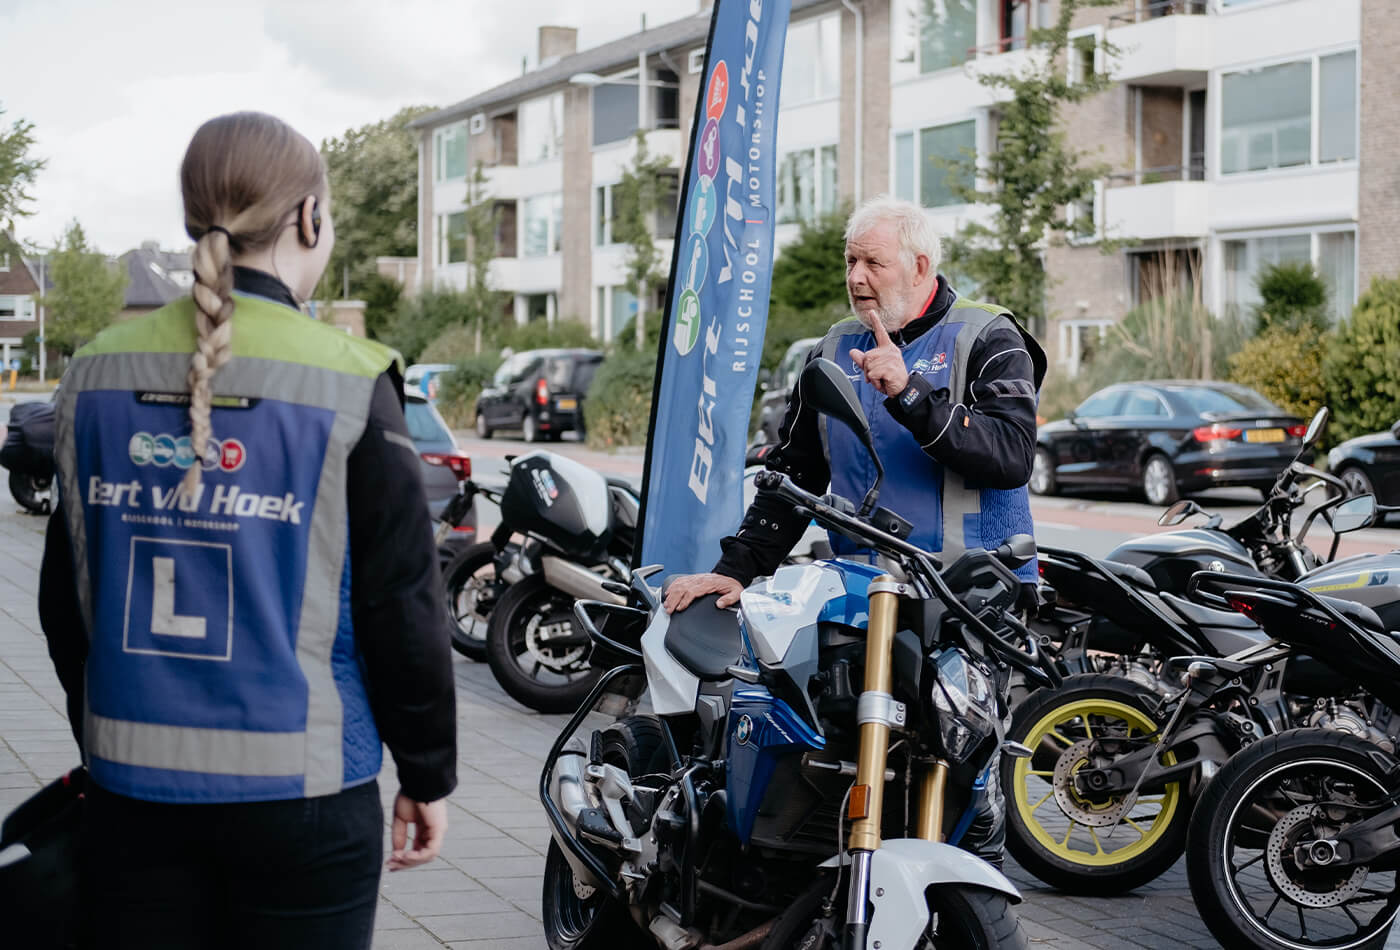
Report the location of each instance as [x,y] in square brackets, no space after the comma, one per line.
[882,336]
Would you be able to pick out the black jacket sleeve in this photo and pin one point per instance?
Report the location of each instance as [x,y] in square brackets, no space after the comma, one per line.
[60,618]
[397,603]
[987,434]
[770,527]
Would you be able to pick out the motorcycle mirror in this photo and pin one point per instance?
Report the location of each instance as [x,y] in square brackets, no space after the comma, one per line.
[826,389]
[1178,512]
[1315,428]
[1018,551]
[1353,514]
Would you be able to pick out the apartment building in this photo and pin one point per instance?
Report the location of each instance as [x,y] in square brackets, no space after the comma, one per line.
[1238,133]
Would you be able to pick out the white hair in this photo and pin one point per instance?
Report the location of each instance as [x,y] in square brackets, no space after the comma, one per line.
[916,236]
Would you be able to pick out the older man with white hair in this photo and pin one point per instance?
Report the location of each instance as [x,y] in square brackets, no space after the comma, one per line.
[950,388]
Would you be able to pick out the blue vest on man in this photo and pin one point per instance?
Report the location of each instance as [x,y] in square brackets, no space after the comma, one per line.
[949,511]
[222,665]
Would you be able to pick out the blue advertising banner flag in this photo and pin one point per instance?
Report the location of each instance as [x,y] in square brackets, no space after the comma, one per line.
[712,341]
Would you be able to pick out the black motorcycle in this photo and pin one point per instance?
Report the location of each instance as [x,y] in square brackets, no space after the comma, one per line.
[577,528]
[1296,841]
[28,454]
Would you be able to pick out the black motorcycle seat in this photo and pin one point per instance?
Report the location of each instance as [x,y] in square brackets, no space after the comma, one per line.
[705,639]
[1360,614]
[1131,573]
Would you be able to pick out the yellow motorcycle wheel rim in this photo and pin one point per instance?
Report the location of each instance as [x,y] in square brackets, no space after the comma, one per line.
[1148,835]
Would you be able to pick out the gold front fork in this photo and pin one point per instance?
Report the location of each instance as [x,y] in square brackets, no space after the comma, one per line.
[868,793]
[931,795]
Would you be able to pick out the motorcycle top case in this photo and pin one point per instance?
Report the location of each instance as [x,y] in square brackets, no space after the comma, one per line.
[561,501]
[28,445]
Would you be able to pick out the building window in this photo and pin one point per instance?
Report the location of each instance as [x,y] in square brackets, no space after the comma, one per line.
[1085,217]
[544,218]
[1085,58]
[1332,254]
[806,184]
[5,261]
[9,308]
[930,35]
[452,238]
[1269,118]
[537,307]
[541,129]
[925,171]
[812,61]
[1078,341]
[614,112]
[478,123]
[450,150]
[695,60]
[623,311]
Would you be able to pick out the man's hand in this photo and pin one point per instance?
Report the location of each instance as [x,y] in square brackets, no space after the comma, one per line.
[683,590]
[883,364]
[429,821]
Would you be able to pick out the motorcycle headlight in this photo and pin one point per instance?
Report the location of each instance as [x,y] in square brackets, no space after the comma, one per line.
[964,704]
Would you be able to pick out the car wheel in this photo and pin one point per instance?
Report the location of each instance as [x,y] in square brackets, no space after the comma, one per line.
[483,431]
[1159,481]
[1042,473]
[529,428]
[1357,481]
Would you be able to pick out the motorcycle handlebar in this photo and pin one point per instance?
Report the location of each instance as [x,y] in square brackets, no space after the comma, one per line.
[1029,661]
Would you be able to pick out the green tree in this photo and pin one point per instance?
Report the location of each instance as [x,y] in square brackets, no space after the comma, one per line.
[420,320]
[18,170]
[636,199]
[1031,177]
[373,173]
[810,272]
[1362,366]
[484,305]
[1292,296]
[1284,364]
[87,293]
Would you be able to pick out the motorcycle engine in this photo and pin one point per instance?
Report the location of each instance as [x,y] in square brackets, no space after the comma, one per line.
[1344,718]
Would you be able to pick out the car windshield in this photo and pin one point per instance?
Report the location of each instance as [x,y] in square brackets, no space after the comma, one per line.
[424,423]
[1206,400]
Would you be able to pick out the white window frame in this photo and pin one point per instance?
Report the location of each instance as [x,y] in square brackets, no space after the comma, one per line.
[606,214]
[23,306]
[557,145]
[1096,212]
[1315,130]
[441,242]
[695,60]
[478,123]
[814,23]
[819,198]
[1071,334]
[439,153]
[551,236]
[1073,54]
[982,127]
[5,262]
[1314,232]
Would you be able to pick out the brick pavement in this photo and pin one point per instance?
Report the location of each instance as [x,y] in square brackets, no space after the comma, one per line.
[484,892]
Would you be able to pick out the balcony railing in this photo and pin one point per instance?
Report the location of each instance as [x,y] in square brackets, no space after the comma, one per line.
[1195,170]
[1160,8]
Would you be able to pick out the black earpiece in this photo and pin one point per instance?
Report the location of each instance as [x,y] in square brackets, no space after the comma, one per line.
[315,225]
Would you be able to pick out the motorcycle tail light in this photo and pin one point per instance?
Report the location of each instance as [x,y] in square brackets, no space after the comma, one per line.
[1298,431]
[460,464]
[1217,432]
[542,393]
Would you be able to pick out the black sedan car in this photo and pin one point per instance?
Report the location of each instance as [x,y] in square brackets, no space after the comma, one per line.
[1165,437]
[1370,463]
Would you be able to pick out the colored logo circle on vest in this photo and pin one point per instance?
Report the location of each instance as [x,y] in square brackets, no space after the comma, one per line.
[233,455]
[184,452]
[687,323]
[141,448]
[164,452]
[213,452]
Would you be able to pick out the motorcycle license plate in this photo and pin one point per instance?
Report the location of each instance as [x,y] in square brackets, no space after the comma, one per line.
[1263,435]
[566,404]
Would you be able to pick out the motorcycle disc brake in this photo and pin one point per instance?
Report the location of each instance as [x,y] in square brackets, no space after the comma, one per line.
[1308,887]
[1082,810]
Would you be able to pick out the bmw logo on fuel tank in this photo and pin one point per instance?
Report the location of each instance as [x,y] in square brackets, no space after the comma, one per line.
[743,731]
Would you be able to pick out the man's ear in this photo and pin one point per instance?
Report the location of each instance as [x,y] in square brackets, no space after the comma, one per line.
[921,268]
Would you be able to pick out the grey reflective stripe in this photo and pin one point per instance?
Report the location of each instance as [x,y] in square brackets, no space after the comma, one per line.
[400,440]
[959,501]
[320,600]
[828,352]
[71,497]
[211,751]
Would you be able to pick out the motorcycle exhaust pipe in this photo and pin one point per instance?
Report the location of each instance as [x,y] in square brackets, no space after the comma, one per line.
[577,581]
[566,782]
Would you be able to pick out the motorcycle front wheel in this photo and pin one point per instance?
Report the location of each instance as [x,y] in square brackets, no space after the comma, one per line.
[31,492]
[1080,844]
[472,591]
[960,918]
[1275,796]
[536,650]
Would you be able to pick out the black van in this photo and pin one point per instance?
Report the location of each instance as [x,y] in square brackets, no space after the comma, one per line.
[539,392]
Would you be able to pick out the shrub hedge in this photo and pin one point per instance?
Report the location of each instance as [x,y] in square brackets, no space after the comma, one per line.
[1361,368]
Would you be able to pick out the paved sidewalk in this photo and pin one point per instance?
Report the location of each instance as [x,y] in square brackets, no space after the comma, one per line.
[485,890]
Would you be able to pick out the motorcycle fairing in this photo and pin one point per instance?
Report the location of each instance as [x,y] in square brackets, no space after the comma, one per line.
[760,731]
[902,869]
[673,687]
[798,596]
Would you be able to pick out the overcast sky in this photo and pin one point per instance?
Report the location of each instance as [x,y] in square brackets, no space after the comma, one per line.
[115,88]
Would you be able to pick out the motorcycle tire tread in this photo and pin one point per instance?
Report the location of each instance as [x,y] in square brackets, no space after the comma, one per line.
[1208,834]
[1079,879]
[458,571]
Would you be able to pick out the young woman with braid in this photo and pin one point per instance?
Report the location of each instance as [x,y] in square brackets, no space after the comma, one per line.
[240,591]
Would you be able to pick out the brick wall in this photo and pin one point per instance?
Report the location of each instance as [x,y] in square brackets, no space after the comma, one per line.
[875,95]
[1378,242]
[576,292]
[427,235]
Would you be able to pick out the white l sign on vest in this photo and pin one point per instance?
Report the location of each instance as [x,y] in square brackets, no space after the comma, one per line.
[164,620]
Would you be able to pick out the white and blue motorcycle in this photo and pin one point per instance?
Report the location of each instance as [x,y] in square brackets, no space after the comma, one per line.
[809,763]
